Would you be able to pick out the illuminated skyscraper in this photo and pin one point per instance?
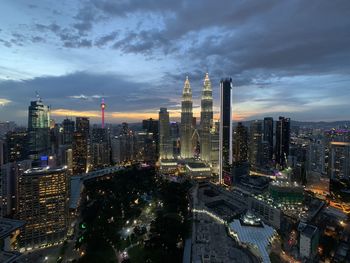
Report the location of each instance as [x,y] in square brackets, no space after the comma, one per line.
[79,152]
[282,141]
[268,135]
[186,121]
[165,147]
[241,144]
[38,128]
[9,174]
[100,148]
[16,147]
[206,119]
[255,144]
[68,130]
[43,203]
[225,133]
[339,170]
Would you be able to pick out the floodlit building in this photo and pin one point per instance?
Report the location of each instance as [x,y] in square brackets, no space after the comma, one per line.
[38,128]
[252,232]
[43,202]
[198,170]
[186,121]
[206,119]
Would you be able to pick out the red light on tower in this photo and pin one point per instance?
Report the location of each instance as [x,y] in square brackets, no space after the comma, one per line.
[103,106]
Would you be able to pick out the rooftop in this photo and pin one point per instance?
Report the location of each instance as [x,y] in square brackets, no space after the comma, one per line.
[309,230]
[44,170]
[7,226]
[258,237]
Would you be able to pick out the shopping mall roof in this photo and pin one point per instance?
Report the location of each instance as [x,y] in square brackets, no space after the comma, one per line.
[257,236]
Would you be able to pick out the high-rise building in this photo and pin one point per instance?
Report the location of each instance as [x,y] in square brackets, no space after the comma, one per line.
[268,135]
[124,147]
[9,174]
[165,149]
[186,121]
[282,141]
[81,145]
[309,240]
[241,144]
[43,203]
[175,138]
[255,144]
[214,148]
[82,125]
[100,148]
[316,157]
[206,119]
[225,135]
[16,146]
[38,128]
[68,130]
[80,152]
[151,126]
[339,170]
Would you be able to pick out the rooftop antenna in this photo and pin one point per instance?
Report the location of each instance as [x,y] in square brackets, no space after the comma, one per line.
[38,98]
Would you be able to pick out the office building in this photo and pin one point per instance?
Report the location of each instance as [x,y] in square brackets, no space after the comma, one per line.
[165,147]
[225,132]
[16,146]
[68,127]
[308,243]
[268,135]
[9,174]
[175,138]
[43,203]
[186,121]
[100,148]
[38,128]
[206,119]
[255,144]
[152,126]
[339,170]
[80,153]
[241,144]
[282,141]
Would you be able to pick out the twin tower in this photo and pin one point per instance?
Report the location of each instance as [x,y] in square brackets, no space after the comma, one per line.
[188,125]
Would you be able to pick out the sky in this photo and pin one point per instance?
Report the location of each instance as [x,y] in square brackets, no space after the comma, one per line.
[288,58]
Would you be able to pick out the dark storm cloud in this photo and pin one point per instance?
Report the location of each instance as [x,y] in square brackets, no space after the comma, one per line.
[82,92]
[285,37]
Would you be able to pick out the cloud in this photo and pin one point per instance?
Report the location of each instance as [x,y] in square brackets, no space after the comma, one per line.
[102,41]
[85,97]
[4,102]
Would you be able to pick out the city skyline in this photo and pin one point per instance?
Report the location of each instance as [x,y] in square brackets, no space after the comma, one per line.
[136,56]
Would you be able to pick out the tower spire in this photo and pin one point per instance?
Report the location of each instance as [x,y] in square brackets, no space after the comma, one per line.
[103,105]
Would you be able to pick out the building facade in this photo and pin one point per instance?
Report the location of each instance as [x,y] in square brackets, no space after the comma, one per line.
[43,202]
[186,121]
[165,147]
[282,141]
[225,131]
[38,128]
[206,119]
